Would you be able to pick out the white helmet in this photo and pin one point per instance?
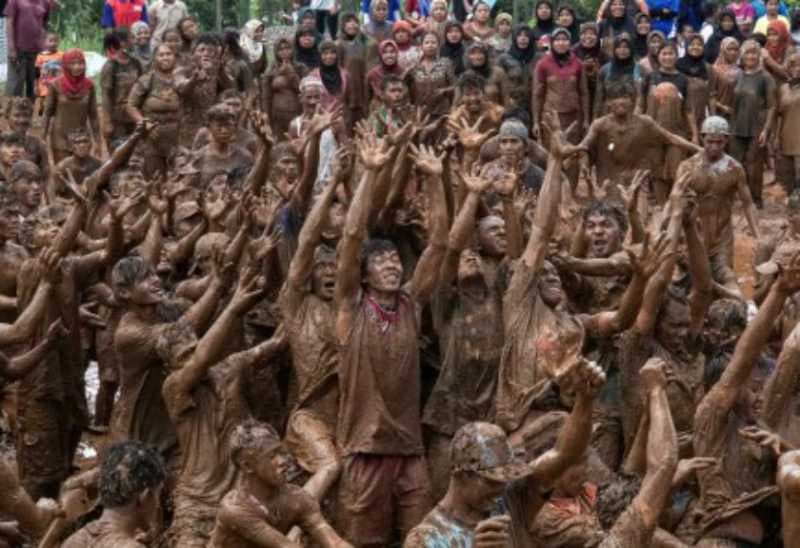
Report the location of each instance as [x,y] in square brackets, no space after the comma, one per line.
[715,125]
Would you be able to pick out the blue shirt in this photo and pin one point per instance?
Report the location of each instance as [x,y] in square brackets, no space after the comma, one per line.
[394,9]
[761,9]
[663,24]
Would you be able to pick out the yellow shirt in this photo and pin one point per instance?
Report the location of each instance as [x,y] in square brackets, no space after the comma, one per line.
[763,22]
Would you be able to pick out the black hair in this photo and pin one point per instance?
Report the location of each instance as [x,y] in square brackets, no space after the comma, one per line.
[760,38]
[615,497]
[24,169]
[129,468]
[179,26]
[230,39]
[375,246]
[18,103]
[470,80]
[327,45]
[621,89]
[231,93]
[12,138]
[795,20]
[607,209]
[389,79]
[128,272]
[112,41]
[209,39]
[220,113]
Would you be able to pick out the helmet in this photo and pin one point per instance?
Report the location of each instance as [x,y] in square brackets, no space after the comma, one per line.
[715,125]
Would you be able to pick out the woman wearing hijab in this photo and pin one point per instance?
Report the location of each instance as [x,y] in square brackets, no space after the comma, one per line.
[642,30]
[436,21]
[518,63]
[592,56]
[655,41]
[568,19]
[453,46]
[140,50]
[306,49]
[752,116]
[335,80]
[280,88]
[560,86]
[726,72]
[615,22]
[500,41]
[251,40]
[545,21]
[665,98]
[479,62]
[699,75]
[388,64]
[779,46]
[237,62]
[353,53]
[622,67]
[70,102]
[378,28]
[407,51]
[726,28]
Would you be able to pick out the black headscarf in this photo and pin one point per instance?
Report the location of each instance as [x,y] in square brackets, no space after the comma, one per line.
[621,68]
[330,75]
[714,42]
[693,66]
[639,44]
[543,27]
[524,56]
[454,52]
[306,56]
[574,28]
[612,26]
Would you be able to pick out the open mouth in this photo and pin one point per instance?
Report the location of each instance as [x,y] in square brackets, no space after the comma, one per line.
[329,285]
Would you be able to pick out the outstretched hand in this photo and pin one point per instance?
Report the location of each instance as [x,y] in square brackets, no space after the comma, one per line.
[648,260]
[789,275]
[469,135]
[765,438]
[372,151]
[426,159]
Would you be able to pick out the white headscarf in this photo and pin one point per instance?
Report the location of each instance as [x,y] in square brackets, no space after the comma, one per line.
[254,50]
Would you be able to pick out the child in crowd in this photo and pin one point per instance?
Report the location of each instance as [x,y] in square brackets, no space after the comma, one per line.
[48,68]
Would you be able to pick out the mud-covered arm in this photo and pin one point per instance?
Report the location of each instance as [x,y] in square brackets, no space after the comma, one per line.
[23,327]
[260,170]
[201,313]
[86,265]
[19,366]
[118,159]
[18,505]
[676,140]
[460,234]
[426,273]
[545,219]
[182,251]
[573,439]
[211,346]
[348,275]
[700,271]
[725,392]
[782,385]
[618,264]
[256,532]
[789,483]
[301,196]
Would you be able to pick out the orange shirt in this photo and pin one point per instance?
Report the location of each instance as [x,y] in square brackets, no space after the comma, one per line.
[49,65]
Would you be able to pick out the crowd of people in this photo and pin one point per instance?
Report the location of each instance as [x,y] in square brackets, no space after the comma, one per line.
[447,281]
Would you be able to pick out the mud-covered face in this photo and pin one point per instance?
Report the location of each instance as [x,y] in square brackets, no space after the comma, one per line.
[550,289]
[394,94]
[714,146]
[19,120]
[81,147]
[271,469]
[235,105]
[310,98]
[492,237]
[165,58]
[750,59]
[603,234]
[430,45]
[222,131]
[172,40]
[148,290]
[402,36]
[189,30]
[469,265]
[511,148]
[384,271]
[472,99]
[479,493]
[28,192]
[45,231]
[11,152]
[731,53]
[289,167]
[672,327]
[323,278]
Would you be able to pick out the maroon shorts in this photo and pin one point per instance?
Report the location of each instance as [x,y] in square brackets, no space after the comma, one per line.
[379,494]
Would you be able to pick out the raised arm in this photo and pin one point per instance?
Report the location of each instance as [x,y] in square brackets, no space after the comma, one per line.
[260,170]
[426,272]
[699,270]
[677,140]
[22,329]
[644,266]
[118,158]
[211,346]
[789,483]
[301,196]
[725,392]
[586,378]
[546,216]
[782,384]
[749,207]
[348,275]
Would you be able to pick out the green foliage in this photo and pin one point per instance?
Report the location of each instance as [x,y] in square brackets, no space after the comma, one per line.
[78,24]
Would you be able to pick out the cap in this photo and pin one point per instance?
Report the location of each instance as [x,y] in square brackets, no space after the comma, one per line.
[715,125]
[483,448]
[513,128]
